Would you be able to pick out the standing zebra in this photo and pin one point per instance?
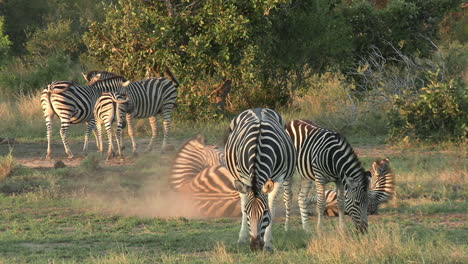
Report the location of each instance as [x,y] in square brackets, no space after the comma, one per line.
[111,107]
[149,97]
[382,190]
[74,104]
[199,171]
[261,157]
[325,156]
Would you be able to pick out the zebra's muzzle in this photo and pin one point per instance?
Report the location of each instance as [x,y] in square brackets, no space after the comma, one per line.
[362,228]
[256,244]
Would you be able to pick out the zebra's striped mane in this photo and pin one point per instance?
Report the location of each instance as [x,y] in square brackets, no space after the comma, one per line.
[91,74]
[115,78]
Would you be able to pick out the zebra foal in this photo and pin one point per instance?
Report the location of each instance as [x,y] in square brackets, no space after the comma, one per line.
[149,97]
[199,171]
[110,108]
[74,104]
[261,157]
[325,156]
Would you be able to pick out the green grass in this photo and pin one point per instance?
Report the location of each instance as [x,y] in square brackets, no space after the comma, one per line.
[99,214]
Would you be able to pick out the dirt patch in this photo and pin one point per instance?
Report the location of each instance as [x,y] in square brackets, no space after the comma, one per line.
[33,154]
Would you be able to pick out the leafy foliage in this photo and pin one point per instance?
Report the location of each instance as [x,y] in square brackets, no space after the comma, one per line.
[437,113]
[5,42]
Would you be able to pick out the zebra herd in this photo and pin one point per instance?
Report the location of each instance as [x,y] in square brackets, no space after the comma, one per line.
[75,104]
[260,155]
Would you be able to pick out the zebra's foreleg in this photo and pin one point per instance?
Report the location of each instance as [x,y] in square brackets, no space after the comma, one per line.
[341,209]
[130,133]
[306,185]
[48,120]
[288,197]
[154,132]
[320,205]
[110,149]
[244,231]
[63,133]
[271,204]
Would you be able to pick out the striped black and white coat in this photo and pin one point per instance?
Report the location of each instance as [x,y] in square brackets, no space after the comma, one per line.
[199,172]
[149,97]
[261,158]
[74,104]
[382,190]
[111,108]
[325,156]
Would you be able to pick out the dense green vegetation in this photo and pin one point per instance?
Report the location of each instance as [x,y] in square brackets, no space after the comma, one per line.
[274,52]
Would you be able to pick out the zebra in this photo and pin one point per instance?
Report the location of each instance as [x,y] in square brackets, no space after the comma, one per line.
[199,171]
[111,107]
[325,156]
[74,104]
[149,97]
[382,190]
[261,158]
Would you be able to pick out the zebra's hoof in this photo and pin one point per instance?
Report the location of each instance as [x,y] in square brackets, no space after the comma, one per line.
[71,157]
[269,249]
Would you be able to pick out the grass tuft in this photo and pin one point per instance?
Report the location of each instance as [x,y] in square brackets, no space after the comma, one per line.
[387,243]
[7,163]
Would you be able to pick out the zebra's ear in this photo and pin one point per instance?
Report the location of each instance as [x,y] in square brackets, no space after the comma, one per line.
[368,175]
[125,84]
[84,76]
[241,187]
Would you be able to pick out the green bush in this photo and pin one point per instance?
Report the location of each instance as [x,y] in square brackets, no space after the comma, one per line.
[437,113]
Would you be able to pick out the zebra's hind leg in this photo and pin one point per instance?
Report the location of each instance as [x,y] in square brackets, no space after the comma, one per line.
[91,125]
[154,132]
[110,150]
[130,133]
[98,140]
[320,205]
[306,185]
[118,139]
[48,120]
[244,231]
[271,204]
[99,136]
[167,128]
[63,133]
[288,197]
[341,209]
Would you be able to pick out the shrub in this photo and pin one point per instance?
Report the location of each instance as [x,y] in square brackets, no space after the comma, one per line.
[437,113]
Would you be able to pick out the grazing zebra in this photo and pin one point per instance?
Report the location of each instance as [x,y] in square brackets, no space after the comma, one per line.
[325,156]
[199,171]
[383,189]
[149,97]
[111,107]
[261,157]
[74,104]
